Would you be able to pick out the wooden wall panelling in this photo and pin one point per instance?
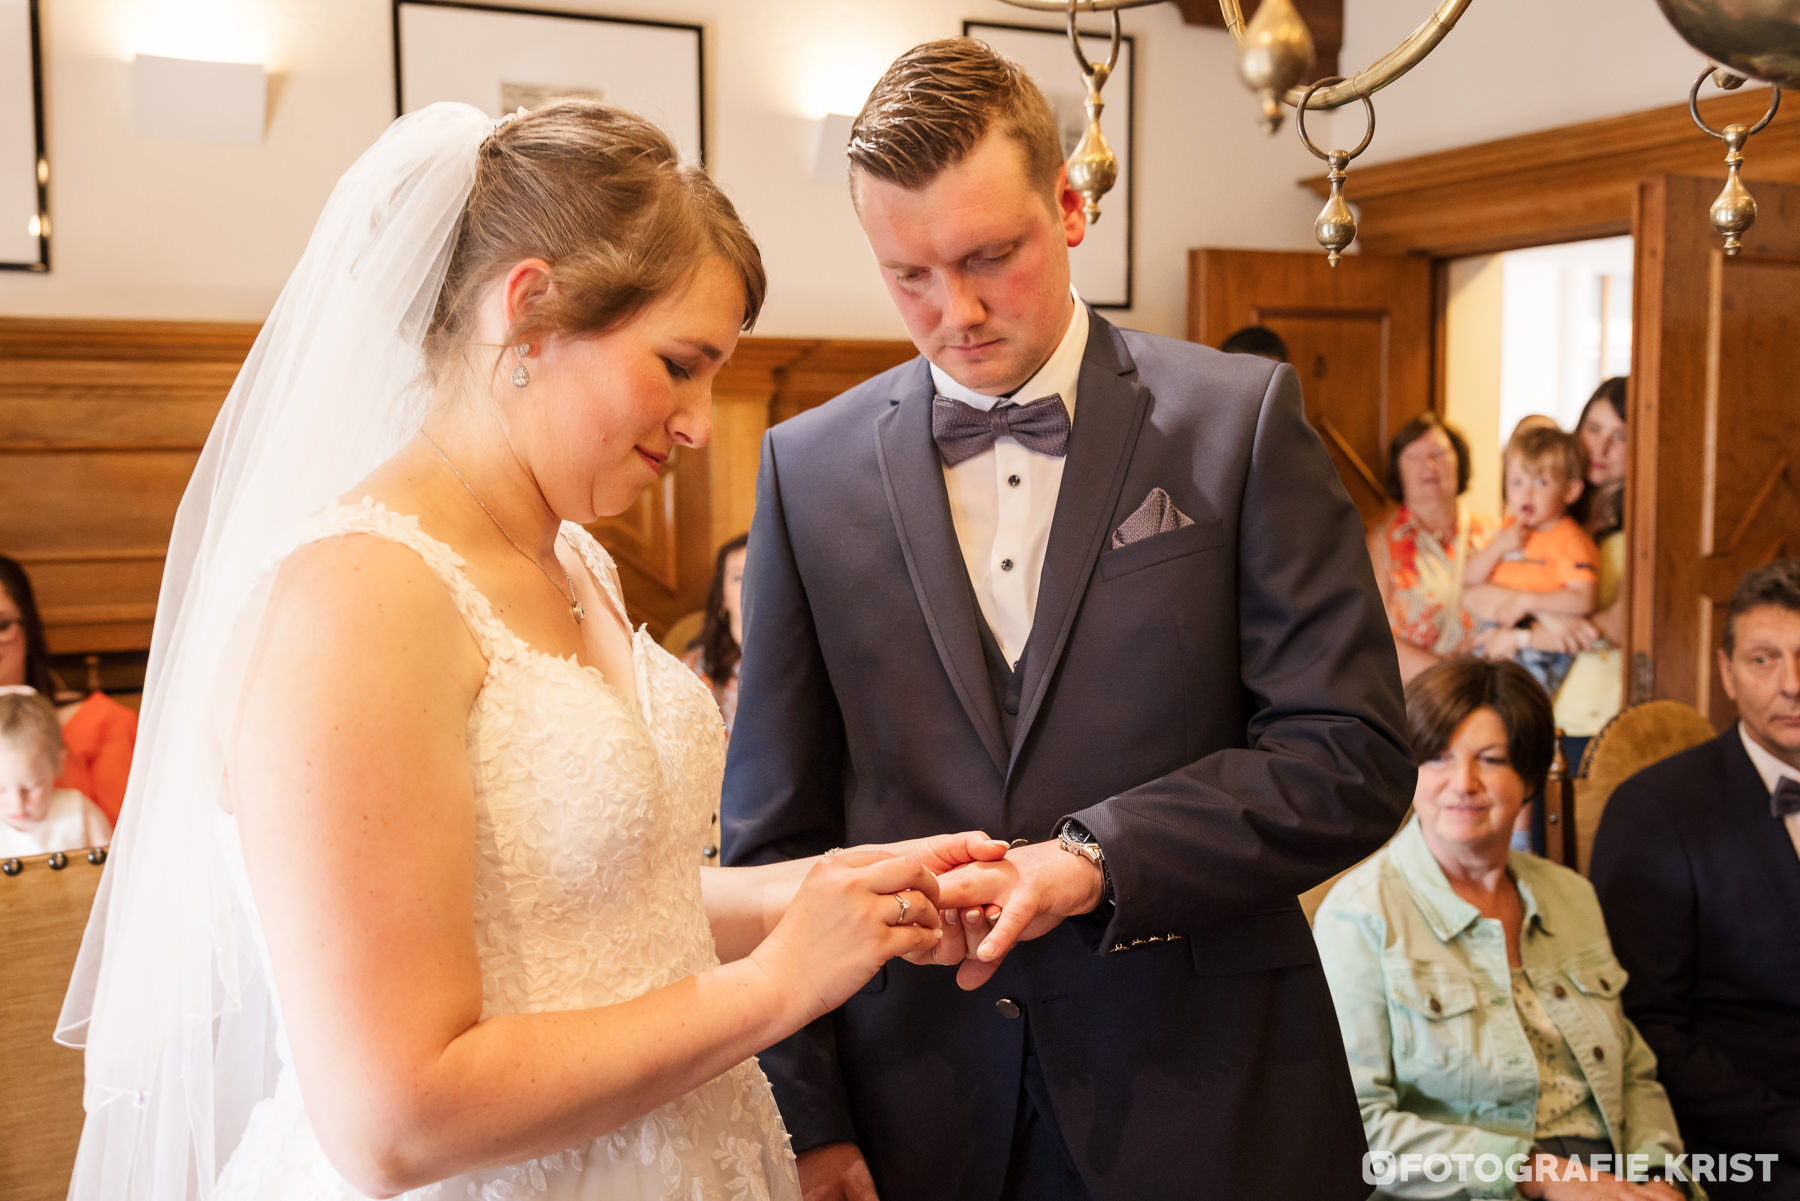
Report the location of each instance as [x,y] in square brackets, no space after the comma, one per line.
[101,423]
[1556,185]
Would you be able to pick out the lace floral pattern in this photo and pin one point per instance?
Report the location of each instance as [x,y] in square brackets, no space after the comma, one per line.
[586,894]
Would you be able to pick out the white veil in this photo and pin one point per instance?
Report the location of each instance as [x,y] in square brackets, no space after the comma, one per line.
[170,995]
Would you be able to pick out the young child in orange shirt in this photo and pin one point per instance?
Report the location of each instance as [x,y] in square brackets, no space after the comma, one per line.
[1541,556]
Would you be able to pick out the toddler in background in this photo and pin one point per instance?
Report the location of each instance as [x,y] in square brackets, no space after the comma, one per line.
[1542,558]
[36,817]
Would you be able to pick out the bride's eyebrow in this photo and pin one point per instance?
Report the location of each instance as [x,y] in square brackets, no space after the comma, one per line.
[702,347]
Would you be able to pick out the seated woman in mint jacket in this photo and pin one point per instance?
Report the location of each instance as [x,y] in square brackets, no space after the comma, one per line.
[1476,988]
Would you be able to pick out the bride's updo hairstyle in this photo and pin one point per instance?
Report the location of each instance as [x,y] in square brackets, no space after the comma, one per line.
[602,196]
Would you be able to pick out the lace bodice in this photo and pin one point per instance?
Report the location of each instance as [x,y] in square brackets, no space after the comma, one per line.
[587,812]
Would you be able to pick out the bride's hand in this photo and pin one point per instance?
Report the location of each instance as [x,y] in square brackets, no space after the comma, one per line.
[938,854]
[854,911]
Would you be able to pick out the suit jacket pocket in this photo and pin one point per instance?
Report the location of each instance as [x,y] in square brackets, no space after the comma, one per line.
[1159,548]
[1278,938]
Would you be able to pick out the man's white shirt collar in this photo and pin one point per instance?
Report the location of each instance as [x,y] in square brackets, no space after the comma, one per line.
[1771,769]
[1058,375]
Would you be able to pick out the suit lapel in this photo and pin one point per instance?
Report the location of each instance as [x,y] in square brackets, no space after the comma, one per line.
[914,483]
[1765,836]
[1112,405]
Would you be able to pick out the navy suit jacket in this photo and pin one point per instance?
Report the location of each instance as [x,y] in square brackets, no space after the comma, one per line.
[1219,705]
[1701,888]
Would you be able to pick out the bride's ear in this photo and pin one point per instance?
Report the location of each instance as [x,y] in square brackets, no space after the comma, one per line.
[525,284]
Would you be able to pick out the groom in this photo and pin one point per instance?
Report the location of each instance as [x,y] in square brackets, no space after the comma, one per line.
[1097,591]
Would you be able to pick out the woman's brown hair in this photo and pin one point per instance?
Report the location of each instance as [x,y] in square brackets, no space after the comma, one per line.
[719,651]
[1440,699]
[602,196]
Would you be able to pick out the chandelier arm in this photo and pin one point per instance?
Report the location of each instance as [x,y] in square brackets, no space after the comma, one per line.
[1377,75]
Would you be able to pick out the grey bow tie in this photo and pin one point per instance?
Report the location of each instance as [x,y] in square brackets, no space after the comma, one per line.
[962,431]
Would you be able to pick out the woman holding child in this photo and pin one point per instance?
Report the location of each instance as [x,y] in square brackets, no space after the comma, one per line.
[405,898]
[1420,552]
[1476,988]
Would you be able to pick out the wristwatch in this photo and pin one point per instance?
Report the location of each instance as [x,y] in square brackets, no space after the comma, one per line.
[1074,838]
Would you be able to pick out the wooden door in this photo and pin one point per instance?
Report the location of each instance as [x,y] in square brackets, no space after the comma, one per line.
[1359,334]
[1713,479]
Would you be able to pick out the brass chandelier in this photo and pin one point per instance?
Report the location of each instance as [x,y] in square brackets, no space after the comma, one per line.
[1746,39]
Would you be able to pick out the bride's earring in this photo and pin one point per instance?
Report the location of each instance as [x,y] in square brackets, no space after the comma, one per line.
[520,376]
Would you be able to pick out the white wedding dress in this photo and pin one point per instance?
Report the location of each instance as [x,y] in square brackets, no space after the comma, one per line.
[587,893]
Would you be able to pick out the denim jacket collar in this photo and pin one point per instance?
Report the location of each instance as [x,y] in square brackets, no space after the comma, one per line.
[1447,914]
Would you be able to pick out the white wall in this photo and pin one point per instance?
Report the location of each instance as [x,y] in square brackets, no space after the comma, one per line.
[1513,66]
[179,230]
[1473,318]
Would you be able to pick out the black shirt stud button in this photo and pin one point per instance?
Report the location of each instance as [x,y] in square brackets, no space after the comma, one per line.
[1006,1007]
[1006,565]
[1012,481]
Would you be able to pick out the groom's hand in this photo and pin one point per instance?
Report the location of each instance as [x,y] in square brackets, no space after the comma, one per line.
[938,855]
[1034,888]
[835,1172]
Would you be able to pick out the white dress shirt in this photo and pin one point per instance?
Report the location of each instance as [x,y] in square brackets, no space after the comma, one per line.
[1773,771]
[1002,500]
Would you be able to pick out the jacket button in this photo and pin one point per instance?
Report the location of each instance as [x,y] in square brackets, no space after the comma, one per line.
[1560,992]
[1599,1054]
[1435,1006]
[1006,1007]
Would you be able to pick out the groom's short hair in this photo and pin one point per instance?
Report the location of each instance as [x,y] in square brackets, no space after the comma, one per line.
[936,103]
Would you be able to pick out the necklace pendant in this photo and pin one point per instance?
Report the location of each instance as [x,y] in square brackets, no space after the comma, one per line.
[578,611]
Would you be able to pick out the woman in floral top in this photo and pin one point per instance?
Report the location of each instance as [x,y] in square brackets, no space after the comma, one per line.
[1419,552]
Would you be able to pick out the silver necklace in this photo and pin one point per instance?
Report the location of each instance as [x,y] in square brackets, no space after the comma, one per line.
[575,608]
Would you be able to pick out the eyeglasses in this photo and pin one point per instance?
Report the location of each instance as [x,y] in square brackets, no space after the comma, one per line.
[10,628]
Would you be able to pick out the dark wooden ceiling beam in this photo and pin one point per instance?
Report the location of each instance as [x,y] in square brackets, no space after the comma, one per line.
[1325,18]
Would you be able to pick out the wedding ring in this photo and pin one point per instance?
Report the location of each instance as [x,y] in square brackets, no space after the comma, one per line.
[905,906]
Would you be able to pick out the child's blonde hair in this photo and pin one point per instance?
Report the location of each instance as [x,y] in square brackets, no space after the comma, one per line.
[27,719]
[1540,445]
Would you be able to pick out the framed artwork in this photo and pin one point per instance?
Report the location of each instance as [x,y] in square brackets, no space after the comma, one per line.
[1102,263]
[499,59]
[24,170]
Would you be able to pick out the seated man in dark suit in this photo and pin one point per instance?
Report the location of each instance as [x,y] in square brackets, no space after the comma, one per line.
[1697,864]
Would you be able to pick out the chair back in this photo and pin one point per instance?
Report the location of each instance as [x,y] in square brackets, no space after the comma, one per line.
[682,632]
[1634,739]
[43,911]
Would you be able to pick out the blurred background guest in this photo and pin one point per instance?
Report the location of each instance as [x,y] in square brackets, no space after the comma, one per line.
[1420,551]
[714,655]
[1595,688]
[1697,862]
[37,817]
[98,732]
[1476,988]
[1257,340]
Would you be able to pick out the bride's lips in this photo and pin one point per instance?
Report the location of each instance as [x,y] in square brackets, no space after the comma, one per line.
[656,461]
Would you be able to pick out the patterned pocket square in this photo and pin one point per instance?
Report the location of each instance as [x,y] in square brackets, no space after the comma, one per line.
[1157,515]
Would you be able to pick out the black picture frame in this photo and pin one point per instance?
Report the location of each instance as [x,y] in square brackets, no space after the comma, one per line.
[1104,264]
[30,178]
[674,39]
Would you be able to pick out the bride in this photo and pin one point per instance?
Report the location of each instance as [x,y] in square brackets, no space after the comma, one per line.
[405,895]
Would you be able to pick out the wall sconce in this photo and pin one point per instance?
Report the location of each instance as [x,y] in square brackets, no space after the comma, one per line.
[184,100]
[831,134]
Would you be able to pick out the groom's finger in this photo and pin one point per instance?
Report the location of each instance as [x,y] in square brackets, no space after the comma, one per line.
[1021,907]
